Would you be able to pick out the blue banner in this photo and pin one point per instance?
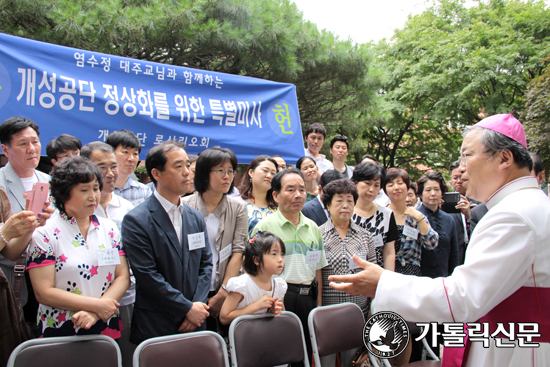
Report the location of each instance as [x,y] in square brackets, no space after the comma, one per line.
[89,95]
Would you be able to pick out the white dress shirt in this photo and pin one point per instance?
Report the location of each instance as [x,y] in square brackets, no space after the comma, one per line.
[174,213]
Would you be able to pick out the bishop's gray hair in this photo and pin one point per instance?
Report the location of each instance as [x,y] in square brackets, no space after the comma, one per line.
[496,142]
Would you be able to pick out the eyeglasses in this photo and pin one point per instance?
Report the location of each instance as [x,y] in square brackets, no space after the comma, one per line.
[464,156]
[105,169]
[341,137]
[222,172]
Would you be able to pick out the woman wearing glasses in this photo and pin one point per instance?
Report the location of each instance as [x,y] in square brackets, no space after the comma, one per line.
[226,221]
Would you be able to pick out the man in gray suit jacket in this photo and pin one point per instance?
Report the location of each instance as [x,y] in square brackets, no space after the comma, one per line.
[167,245]
[21,145]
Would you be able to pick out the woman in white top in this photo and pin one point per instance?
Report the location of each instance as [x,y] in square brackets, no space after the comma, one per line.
[76,262]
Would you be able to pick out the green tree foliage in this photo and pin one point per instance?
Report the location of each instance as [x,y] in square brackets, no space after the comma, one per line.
[537,116]
[448,68]
[260,38]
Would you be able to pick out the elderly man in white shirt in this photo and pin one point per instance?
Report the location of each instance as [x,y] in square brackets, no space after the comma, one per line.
[506,274]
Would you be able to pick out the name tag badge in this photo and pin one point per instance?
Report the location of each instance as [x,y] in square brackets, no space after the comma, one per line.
[108,257]
[378,241]
[225,252]
[313,257]
[410,232]
[353,265]
[196,241]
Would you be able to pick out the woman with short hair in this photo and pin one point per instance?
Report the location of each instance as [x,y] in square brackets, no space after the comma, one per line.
[378,220]
[342,239]
[441,261]
[414,229]
[76,262]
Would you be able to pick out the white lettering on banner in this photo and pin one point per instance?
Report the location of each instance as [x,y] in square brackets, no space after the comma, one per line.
[141,137]
[146,102]
[79,59]
[161,104]
[103,134]
[49,84]
[47,90]
[28,75]
[454,334]
[204,141]
[196,106]
[92,61]
[171,74]
[162,72]
[107,62]
[188,76]
[82,85]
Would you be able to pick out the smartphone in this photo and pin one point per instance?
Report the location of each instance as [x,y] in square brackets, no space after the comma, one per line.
[451,199]
[37,197]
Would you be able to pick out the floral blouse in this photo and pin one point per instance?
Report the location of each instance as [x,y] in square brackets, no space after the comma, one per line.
[256,214]
[77,269]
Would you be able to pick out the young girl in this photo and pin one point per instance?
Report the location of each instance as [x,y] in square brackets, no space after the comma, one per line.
[257,291]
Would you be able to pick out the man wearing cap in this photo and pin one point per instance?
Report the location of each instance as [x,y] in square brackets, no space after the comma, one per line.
[506,274]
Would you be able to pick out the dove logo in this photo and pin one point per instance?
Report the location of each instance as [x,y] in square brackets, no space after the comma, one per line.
[386,334]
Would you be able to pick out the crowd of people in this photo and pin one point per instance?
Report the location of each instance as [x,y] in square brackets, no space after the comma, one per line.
[194,249]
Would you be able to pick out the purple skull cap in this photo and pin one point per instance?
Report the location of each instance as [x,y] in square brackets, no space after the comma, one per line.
[505,124]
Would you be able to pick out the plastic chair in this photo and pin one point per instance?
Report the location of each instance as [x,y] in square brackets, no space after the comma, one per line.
[327,339]
[67,351]
[265,340]
[196,349]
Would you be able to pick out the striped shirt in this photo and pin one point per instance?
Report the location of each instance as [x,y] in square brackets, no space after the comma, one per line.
[298,242]
[133,191]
